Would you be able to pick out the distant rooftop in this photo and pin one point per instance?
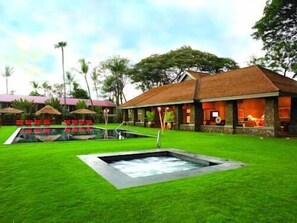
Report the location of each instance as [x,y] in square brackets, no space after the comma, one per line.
[42,99]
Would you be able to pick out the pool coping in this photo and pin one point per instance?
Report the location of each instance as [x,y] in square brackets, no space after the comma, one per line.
[121,181]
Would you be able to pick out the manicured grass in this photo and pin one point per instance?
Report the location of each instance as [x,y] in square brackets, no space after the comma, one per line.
[46,182]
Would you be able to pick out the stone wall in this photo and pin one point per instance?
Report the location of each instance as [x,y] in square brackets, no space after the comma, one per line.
[293,118]
[217,129]
[188,127]
[263,131]
[139,124]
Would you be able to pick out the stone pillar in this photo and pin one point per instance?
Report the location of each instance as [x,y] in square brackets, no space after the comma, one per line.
[134,116]
[197,115]
[231,114]
[125,115]
[178,116]
[144,116]
[271,114]
[293,116]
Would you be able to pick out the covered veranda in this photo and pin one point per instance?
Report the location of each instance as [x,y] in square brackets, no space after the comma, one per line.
[266,107]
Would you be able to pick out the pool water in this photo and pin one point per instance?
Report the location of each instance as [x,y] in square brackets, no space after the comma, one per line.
[28,135]
[150,166]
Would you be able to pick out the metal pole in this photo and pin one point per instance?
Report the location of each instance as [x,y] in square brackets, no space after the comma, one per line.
[159,140]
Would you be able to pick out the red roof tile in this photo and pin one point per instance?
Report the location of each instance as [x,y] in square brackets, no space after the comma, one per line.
[41,100]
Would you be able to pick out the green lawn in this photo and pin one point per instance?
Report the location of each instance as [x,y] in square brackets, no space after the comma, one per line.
[46,182]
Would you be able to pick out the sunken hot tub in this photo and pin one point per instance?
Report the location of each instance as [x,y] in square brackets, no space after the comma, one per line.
[131,169]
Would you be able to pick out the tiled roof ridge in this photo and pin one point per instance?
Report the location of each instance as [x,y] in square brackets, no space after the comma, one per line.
[228,72]
[271,71]
[260,68]
[198,72]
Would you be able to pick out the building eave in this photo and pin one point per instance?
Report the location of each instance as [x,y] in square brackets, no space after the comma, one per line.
[159,104]
[261,95]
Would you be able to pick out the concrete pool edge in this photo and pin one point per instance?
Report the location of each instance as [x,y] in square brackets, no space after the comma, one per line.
[12,137]
[121,181]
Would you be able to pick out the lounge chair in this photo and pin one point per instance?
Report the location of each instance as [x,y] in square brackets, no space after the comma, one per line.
[74,122]
[37,122]
[28,122]
[89,122]
[46,122]
[67,122]
[81,122]
[19,122]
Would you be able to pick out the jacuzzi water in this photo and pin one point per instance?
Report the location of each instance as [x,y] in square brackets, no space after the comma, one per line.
[149,166]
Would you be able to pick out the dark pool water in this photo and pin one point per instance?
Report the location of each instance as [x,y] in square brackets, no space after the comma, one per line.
[27,135]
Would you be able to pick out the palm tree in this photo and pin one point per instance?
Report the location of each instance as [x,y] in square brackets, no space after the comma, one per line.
[54,102]
[69,80]
[35,86]
[94,76]
[62,45]
[8,72]
[116,82]
[84,67]
[46,87]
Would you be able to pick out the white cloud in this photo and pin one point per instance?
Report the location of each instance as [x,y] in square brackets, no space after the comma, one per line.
[97,30]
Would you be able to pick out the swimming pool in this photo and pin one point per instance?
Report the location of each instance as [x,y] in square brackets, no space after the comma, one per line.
[38,134]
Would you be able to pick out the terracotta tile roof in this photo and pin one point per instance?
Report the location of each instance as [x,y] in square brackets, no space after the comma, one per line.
[41,100]
[253,81]
[170,93]
[244,81]
[284,84]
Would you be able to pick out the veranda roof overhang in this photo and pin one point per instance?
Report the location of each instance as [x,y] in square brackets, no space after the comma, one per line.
[250,96]
[240,97]
[159,104]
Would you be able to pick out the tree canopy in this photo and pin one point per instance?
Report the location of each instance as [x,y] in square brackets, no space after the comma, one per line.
[278,31]
[167,68]
[79,92]
[114,83]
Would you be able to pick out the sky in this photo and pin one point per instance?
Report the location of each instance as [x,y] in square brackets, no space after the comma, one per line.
[100,29]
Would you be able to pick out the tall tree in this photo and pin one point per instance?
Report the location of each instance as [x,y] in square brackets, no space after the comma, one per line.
[278,31]
[84,69]
[57,90]
[7,73]
[167,68]
[95,78]
[35,86]
[115,83]
[62,45]
[69,80]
